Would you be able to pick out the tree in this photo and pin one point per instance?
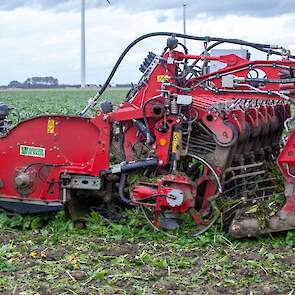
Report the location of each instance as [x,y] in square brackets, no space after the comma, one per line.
[15,84]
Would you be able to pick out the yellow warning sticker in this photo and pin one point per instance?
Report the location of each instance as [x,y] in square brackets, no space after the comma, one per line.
[50,126]
[175,141]
[163,78]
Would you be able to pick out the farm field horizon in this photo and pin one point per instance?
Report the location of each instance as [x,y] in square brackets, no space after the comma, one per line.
[65,101]
[45,254]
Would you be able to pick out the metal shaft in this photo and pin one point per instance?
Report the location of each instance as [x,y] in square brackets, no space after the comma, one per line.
[83,65]
[184,22]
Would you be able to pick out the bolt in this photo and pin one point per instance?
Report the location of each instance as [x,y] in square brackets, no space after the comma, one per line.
[236,228]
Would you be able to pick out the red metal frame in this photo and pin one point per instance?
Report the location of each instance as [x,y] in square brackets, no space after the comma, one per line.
[82,145]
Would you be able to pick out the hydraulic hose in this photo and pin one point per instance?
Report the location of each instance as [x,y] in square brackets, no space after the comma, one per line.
[121,190]
[122,148]
[269,51]
[258,46]
[123,175]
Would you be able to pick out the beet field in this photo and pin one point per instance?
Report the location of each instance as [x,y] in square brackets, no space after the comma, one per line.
[45,254]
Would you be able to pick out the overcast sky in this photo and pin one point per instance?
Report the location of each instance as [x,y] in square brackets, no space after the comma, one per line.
[42,37]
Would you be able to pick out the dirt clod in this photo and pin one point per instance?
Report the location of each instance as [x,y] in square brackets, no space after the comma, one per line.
[55,255]
[78,274]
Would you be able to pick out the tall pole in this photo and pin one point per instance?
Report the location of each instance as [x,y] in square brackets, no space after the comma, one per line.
[184,22]
[83,65]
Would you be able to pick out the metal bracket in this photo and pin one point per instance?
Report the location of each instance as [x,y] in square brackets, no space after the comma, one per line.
[83,182]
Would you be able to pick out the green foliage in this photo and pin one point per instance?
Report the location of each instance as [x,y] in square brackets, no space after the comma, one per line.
[133,228]
[24,222]
[55,101]
[290,238]
[8,258]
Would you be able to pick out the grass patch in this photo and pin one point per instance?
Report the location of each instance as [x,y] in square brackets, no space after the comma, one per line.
[131,258]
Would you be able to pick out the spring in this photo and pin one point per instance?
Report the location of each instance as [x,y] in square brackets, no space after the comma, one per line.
[174,108]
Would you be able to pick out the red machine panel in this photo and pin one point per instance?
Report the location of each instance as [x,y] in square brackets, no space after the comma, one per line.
[35,152]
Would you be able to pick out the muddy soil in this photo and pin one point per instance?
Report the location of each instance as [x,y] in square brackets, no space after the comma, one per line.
[37,262]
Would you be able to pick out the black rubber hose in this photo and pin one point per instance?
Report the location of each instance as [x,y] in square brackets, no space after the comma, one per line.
[184,47]
[121,141]
[208,49]
[121,191]
[123,175]
[258,46]
[255,47]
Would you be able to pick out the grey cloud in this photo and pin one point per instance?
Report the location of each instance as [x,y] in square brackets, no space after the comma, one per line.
[43,4]
[162,18]
[261,8]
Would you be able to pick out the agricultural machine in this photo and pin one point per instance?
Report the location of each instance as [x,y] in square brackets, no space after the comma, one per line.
[198,136]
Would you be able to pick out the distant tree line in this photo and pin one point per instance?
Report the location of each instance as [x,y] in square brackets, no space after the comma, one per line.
[51,82]
[35,82]
[124,85]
